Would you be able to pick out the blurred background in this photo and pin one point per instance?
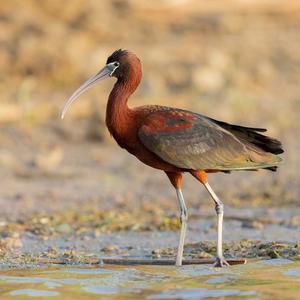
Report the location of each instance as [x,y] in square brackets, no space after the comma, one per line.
[237,61]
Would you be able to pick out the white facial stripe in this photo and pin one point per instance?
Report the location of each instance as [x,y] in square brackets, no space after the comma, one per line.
[113,66]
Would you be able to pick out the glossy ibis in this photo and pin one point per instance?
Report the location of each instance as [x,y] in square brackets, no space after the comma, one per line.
[177,141]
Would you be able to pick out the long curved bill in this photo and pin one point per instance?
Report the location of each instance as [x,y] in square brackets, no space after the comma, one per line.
[103,73]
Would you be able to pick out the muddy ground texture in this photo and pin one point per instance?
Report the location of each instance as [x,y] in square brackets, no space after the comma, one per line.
[68,191]
[75,205]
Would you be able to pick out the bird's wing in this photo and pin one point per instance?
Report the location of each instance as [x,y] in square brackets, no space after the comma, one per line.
[191,141]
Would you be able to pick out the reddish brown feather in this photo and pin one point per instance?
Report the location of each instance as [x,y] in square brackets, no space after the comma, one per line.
[168,121]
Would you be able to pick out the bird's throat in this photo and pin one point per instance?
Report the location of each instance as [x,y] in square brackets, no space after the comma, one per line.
[118,114]
[119,117]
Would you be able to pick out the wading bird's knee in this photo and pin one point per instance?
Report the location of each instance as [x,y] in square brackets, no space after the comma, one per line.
[183,216]
[219,208]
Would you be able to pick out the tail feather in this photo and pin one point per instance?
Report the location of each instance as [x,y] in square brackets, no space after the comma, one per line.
[273,169]
[251,135]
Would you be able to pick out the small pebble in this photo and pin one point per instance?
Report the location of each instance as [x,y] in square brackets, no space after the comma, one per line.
[64,228]
[203,254]
[109,248]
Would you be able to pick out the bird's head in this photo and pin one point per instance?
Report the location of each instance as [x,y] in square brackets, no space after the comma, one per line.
[122,64]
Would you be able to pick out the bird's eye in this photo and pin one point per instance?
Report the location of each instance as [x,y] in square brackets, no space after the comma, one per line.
[116,63]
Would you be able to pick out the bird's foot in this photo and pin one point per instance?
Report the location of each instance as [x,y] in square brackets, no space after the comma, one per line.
[221,262]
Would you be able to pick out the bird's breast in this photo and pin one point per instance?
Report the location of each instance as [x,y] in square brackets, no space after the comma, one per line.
[125,133]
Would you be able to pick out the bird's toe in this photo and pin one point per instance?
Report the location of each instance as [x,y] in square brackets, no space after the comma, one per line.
[221,262]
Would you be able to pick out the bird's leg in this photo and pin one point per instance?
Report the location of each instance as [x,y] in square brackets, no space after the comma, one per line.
[201,176]
[221,262]
[176,179]
[183,221]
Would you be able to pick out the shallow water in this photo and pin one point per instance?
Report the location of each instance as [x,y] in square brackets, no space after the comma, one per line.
[273,279]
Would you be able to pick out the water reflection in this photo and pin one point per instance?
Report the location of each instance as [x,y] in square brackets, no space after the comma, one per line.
[276,279]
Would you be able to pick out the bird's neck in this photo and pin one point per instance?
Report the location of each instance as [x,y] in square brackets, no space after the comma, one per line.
[118,114]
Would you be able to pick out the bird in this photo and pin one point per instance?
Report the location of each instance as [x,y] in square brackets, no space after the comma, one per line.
[179,141]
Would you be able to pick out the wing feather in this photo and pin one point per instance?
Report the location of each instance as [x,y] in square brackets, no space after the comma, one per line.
[192,141]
